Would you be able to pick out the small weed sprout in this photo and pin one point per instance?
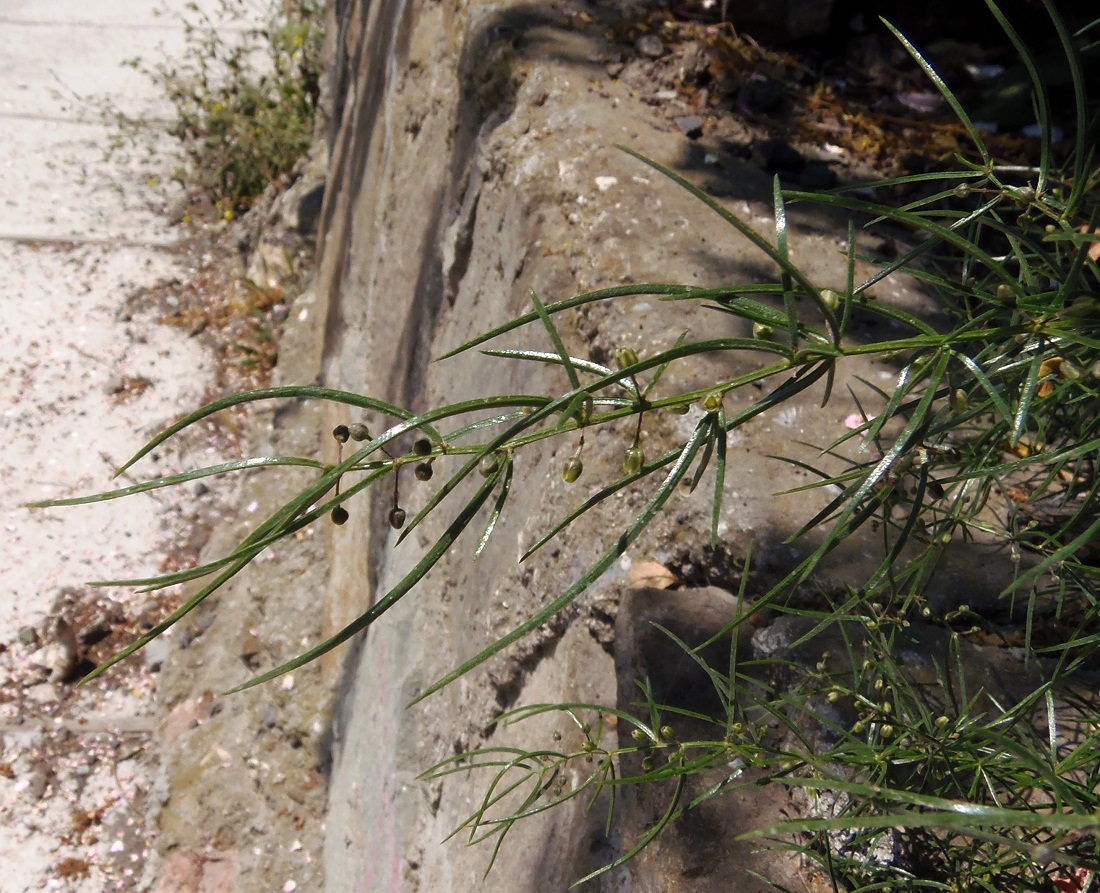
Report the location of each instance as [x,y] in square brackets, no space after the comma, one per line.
[244,100]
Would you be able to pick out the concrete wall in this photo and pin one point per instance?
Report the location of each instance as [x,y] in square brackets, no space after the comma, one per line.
[467,139]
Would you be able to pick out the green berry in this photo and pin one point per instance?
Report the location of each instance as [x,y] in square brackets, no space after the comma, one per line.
[572,470]
[489,464]
[626,357]
[1070,370]
[633,460]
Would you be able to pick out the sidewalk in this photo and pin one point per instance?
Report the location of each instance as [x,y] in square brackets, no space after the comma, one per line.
[82,382]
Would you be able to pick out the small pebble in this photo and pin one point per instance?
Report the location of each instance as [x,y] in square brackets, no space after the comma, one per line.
[156,653]
[650,46]
[690,126]
[758,94]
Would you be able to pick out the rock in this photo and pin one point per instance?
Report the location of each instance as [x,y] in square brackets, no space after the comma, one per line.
[694,65]
[186,715]
[642,650]
[495,180]
[181,873]
[59,656]
[690,126]
[298,210]
[95,630]
[614,69]
[650,46]
[114,384]
[156,653]
[270,265]
[28,637]
[309,210]
[43,693]
[249,648]
[279,313]
[994,675]
[36,784]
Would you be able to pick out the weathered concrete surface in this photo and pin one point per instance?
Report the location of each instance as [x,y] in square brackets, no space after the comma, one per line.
[473,160]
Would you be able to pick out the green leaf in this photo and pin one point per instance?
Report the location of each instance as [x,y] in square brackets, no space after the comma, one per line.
[785,280]
[951,98]
[646,839]
[430,559]
[1039,88]
[664,365]
[784,264]
[621,544]
[719,480]
[551,329]
[182,478]
[505,476]
[283,393]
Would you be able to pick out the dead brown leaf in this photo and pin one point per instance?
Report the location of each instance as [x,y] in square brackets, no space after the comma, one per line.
[650,575]
[1094,247]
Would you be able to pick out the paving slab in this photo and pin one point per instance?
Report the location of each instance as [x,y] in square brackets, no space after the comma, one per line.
[65,431]
[57,185]
[78,239]
[63,86]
